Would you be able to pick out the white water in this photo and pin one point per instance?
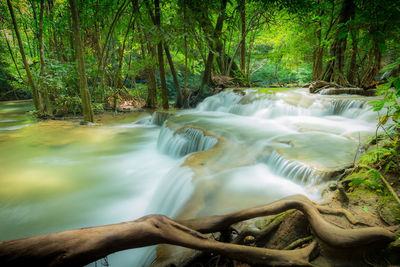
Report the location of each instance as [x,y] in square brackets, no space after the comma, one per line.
[59,176]
[189,140]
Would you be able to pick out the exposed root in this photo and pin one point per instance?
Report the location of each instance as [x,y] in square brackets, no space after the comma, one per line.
[340,211]
[298,243]
[82,246]
[261,234]
[327,232]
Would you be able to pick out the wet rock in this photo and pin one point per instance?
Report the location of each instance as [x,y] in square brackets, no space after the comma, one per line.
[247,99]
[316,86]
[86,123]
[390,213]
[332,186]
[349,91]
[294,227]
[159,117]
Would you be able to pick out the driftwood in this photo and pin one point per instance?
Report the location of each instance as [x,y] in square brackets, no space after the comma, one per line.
[82,246]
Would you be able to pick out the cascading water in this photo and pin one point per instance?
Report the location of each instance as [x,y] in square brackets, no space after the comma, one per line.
[342,107]
[59,175]
[188,140]
[295,171]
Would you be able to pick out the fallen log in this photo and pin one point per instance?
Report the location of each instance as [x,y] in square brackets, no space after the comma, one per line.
[85,245]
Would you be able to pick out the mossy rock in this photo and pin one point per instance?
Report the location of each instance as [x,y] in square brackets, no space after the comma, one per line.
[390,212]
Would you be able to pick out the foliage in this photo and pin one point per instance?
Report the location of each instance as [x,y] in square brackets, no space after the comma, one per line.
[66,105]
[370,179]
[390,104]
[282,40]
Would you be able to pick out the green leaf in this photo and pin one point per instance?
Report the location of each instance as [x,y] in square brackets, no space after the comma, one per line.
[396,83]
[365,208]
[377,175]
[387,168]
[358,181]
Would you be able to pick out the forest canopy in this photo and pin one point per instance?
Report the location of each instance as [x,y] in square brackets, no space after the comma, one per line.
[76,56]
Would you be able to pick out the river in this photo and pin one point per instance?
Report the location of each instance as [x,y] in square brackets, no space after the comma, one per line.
[58,175]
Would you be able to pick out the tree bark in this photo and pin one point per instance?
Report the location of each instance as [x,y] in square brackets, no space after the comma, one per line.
[206,81]
[334,70]
[103,58]
[35,93]
[179,100]
[318,55]
[12,56]
[83,87]
[353,67]
[47,107]
[185,93]
[374,60]
[150,72]
[243,33]
[161,67]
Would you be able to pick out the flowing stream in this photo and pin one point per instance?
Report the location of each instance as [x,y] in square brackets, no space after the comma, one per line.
[230,152]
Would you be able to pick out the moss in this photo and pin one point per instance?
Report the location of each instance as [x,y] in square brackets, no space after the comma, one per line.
[365,179]
[361,193]
[266,90]
[274,90]
[390,211]
[378,198]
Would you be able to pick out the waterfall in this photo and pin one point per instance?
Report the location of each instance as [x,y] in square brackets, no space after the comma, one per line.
[219,102]
[183,142]
[340,107]
[177,182]
[273,106]
[293,170]
[158,118]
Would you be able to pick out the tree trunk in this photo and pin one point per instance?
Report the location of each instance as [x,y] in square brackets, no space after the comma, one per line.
[71,40]
[206,81]
[161,68]
[353,67]
[251,45]
[179,101]
[103,57]
[83,87]
[118,79]
[35,93]
[150,72]
[374,60]
[25,30]
[334,70]
[318,64]
[47,107]
[12,56]
[319,54]
[185,93]
[243,33]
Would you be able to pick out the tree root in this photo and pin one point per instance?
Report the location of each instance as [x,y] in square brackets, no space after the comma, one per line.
[261,234]
[340,211]
[327,232]
[82,246]
[298,243]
